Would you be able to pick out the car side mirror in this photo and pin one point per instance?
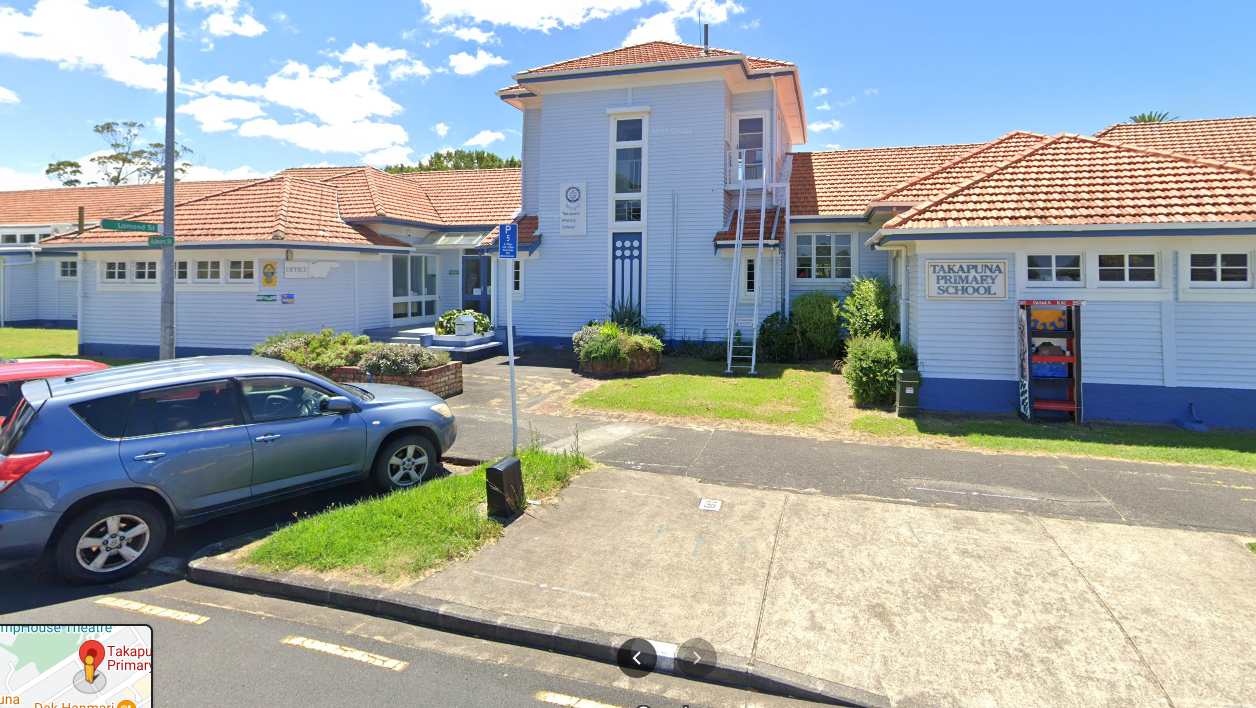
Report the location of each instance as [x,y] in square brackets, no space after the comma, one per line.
[338,404]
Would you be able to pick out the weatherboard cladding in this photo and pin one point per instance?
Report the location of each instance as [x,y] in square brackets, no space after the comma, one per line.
[1216,344]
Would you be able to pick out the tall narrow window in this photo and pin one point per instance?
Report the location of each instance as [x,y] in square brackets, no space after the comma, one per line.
[629,161]
[750,139]
[181,271]
[749,283]
[517,270]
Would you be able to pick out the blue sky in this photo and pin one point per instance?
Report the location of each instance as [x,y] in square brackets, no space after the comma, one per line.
[269,84]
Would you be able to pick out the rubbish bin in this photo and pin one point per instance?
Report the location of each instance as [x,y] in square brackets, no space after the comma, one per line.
[907,400]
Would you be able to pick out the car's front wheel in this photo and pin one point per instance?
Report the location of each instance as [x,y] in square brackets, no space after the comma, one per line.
[405,462]
[110,541]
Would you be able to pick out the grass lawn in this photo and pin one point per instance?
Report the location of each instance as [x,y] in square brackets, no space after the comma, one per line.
[691,388]
[406,533]
[22,343]
[1252,546]
[1129,442]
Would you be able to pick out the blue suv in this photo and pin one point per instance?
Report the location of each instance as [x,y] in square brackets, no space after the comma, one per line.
[99,467]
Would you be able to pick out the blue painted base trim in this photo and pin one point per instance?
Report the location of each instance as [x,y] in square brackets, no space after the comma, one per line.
[149,351]
[1217,407]
[538,341]
[43,324]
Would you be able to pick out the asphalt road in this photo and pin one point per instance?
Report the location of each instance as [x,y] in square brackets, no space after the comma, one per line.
[239,658]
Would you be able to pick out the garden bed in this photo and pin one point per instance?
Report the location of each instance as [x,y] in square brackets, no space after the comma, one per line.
[444,381]
[638,363]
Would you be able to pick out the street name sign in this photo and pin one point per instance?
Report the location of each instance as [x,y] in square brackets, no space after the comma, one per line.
[160,241]
[142,226]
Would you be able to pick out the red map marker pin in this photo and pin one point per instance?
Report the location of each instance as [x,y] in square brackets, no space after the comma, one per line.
[94,649]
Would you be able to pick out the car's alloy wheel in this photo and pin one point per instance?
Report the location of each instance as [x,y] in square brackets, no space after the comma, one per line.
[408,465]
[113,543]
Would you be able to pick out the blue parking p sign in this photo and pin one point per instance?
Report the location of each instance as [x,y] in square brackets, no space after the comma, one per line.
[508,241]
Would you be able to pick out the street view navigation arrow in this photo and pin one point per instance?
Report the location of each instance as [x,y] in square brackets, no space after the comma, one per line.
[142,226]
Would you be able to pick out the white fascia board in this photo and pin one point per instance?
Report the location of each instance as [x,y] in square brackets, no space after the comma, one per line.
[1079,228]
[621,110]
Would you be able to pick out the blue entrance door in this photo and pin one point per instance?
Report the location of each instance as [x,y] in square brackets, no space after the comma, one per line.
[626,250]
[477,284]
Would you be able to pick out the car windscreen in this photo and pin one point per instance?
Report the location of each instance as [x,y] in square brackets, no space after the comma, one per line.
[15,426]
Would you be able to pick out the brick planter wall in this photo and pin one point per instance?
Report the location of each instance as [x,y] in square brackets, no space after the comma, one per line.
[638,363]
[444,381]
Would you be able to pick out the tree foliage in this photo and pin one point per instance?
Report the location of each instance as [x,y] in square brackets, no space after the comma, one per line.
[127,162]
[458,160]
[1152,117]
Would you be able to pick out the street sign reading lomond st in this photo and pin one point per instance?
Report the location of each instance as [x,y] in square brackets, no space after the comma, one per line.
[142,226]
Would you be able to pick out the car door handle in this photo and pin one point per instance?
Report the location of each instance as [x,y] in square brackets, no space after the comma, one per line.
[149,456]
[268,437]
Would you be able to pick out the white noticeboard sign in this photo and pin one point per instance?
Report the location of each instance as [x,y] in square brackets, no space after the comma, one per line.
[571,202]
[966,280]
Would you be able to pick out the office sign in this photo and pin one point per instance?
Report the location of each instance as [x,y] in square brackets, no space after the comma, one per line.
[966,280]
[571,203]
[270,274]
[508,241]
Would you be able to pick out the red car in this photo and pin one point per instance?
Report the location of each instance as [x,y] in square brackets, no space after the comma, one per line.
[15,373]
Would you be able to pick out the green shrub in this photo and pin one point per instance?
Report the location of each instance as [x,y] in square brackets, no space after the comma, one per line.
[327,350]
[816,315]
[277,346]
[779,340]
[870,309]
[402,360]
[445,323]
[583,336]
[871,363]
[603,347]
[626,314]
[638,343]
[610,342]
[701,350]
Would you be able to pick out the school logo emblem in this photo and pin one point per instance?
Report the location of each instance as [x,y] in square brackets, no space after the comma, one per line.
[269,274]
[573,194]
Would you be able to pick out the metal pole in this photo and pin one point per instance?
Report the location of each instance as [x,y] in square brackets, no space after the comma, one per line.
[166,350]
[510,351]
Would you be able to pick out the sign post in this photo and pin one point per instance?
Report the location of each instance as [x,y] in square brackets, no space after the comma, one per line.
[166,347]
[507,252]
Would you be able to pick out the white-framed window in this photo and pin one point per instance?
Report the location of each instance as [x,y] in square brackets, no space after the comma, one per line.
[750,138]
[67,270]
[115,271]
[1131,268]
[181,272]
[1054,268]
[208,271]
[240,271]
[146,271]
[1220,270]
[627,169]
[749,277]
[516,279]
[19,238]
[822,257]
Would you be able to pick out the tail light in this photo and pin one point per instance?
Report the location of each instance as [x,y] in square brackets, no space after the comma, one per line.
[14,467]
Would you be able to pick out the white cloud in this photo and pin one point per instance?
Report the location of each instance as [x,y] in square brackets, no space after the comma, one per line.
[78,36]
[485,138]
[215,113]
[8,96]
[12,179]
[325,93]
[819,92]
[463,63]
[409,70]
[441,129]
[472,34]
[753,24]
[371,55]
[229,17]
[397,154]
[226,86]
[357,136]
[822,125]
[552,14]
[203,172]
[662,26]
[848,102]
[832,146]
[870,92]
[823,106]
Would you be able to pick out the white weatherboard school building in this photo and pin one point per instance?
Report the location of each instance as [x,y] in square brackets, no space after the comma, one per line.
[643,168]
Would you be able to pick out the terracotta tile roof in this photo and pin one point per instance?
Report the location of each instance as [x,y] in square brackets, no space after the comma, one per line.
[776,217]
[931,184]
[283,209]
[469,197]
[528,226]
[1073,180]
[60,206]
[649,53]
[369,193]
[318,174]
[1224,139]
[844,181]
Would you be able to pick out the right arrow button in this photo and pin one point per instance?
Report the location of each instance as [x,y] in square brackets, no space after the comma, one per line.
[696,658]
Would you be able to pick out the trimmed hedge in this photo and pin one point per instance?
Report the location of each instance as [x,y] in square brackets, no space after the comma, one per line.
[870,309]
[404,360]
[871,364]
[816,315]
[779,340]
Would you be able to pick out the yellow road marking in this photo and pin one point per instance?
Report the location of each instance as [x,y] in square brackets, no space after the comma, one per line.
[151,610]
[559,699]
[355,654]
